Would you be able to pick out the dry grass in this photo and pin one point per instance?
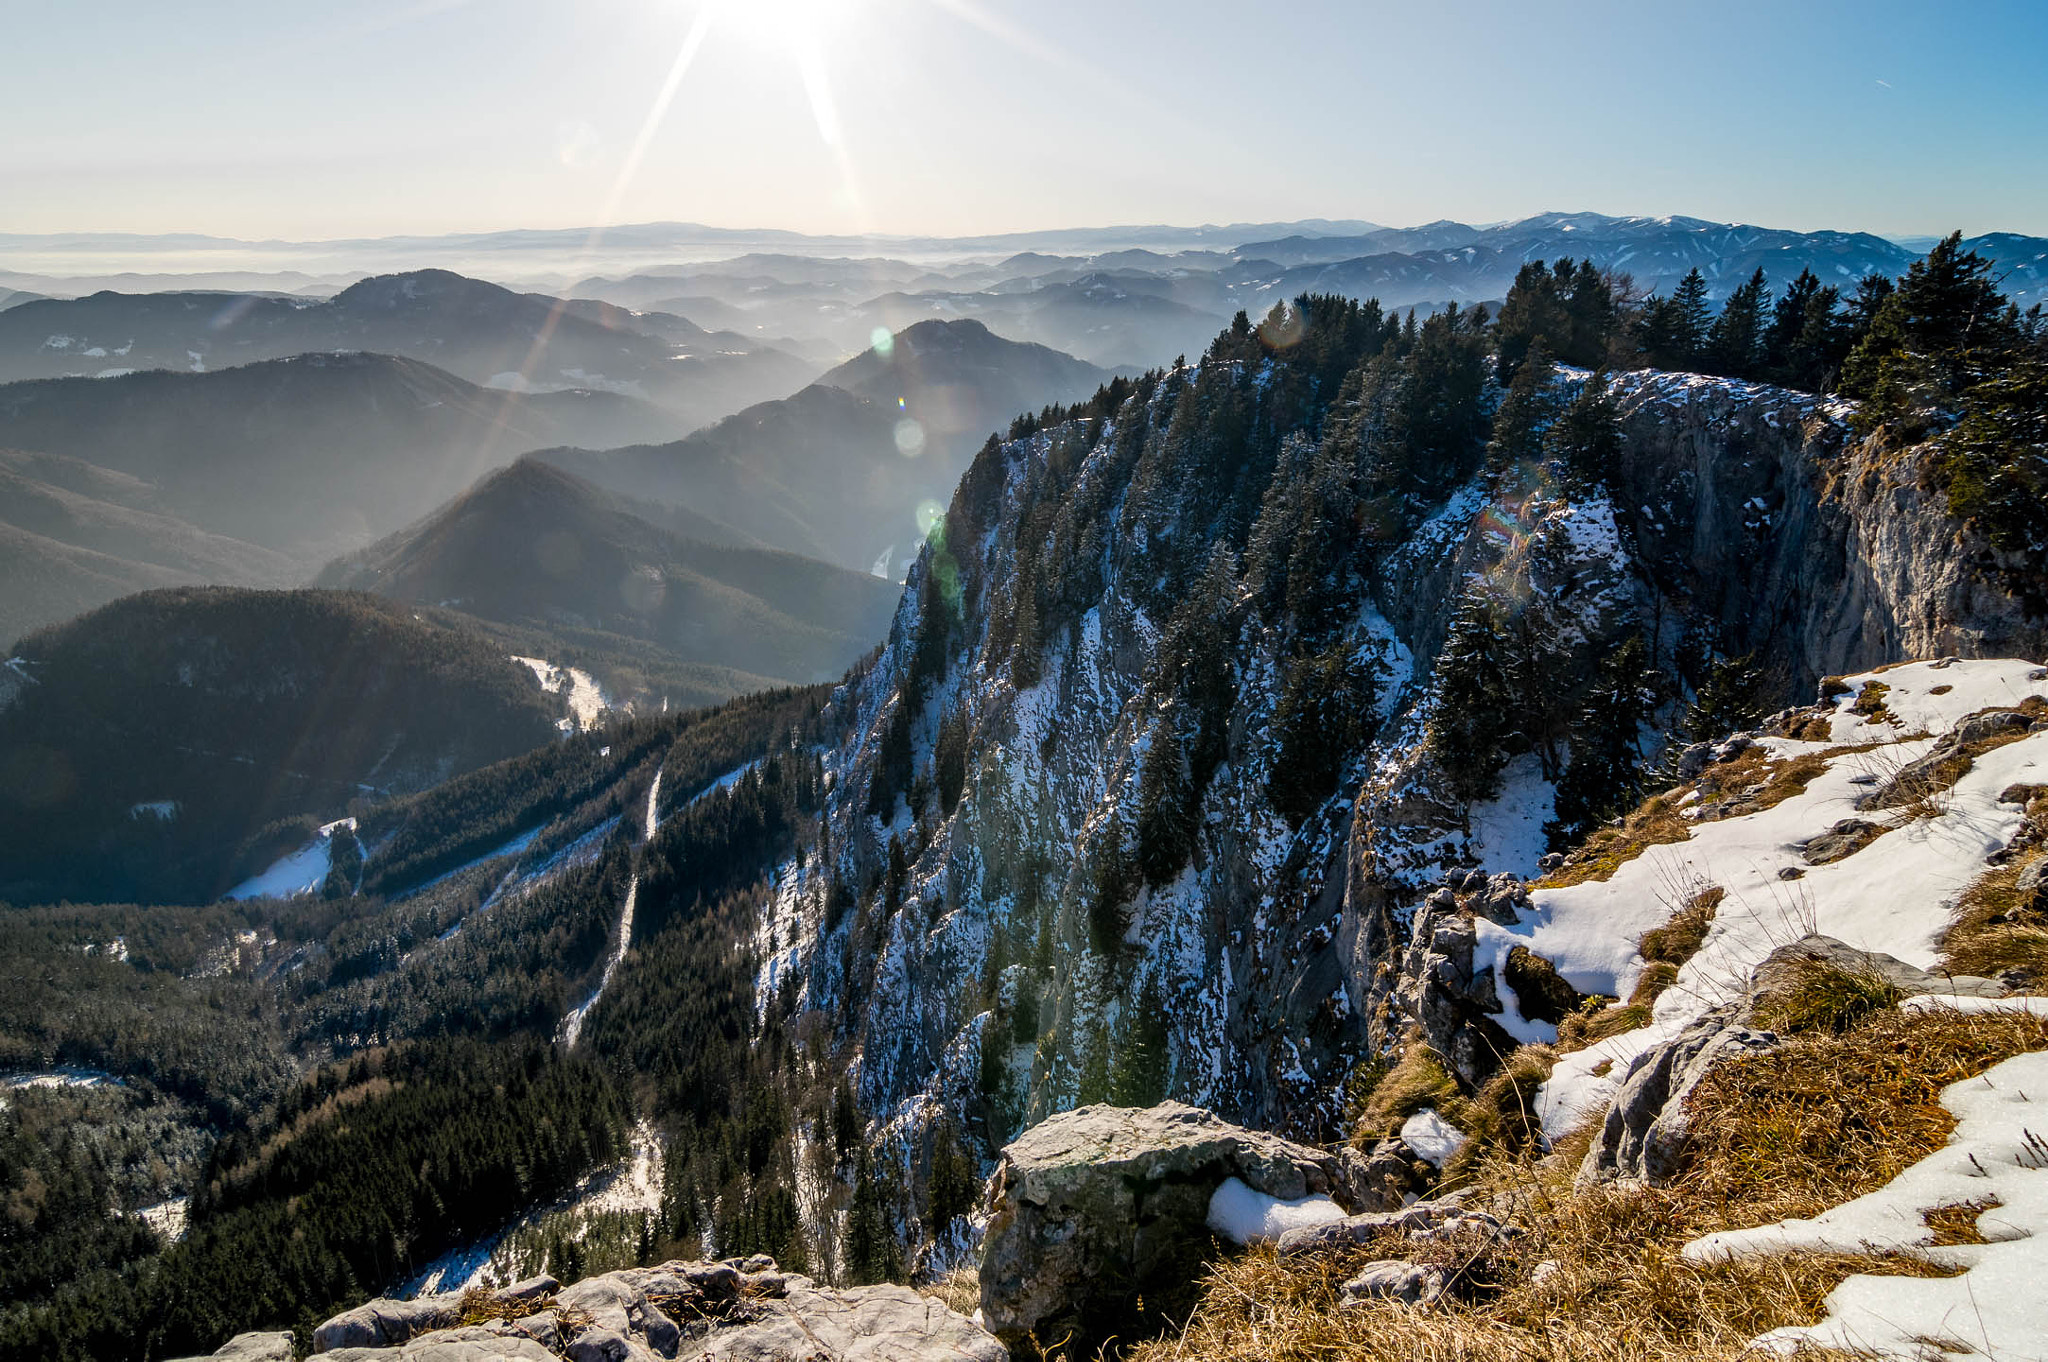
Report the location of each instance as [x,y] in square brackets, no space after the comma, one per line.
[1600,1021]
[480,1306]
[1657,821]
[1777,1135]
[1870,703]
[959,1290]
[1418,1080]
[1825,997]
[1678,940]
[1998,931]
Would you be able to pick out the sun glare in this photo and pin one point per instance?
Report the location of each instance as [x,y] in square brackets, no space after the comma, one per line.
[785,25]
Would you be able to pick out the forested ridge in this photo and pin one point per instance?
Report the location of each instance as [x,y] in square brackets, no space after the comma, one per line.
[375,1066]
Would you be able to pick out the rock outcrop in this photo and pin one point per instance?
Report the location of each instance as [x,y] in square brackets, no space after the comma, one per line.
[258,1347]
[1099,1207]
[737,1311]
[1645,1128]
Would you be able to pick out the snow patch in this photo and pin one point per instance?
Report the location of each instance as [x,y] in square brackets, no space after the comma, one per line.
[1244,1216]
[1432,1137]
[579,689]
[1995,1308]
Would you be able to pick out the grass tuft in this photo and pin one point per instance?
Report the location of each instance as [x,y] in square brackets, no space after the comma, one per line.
[1418,1080]
[1825,997]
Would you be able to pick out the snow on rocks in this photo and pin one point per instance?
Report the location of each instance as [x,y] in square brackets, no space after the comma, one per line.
[1095,1207]
[1244,1216]
[1997,1158]
[1893,895]
[1432,1137]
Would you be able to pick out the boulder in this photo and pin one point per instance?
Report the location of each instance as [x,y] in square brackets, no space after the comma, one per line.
[1098,1208]
[739,1311]
[1447,993]
[1841,841]
[1646,1123]
[1645,1126]
[1781,967]
[864,1324]
[386,1323]
[254,1348]
[1389,1177]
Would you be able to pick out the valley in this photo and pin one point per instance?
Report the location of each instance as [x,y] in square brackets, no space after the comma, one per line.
[487,830]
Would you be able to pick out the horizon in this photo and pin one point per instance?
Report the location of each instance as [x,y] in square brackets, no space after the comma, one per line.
[950,118]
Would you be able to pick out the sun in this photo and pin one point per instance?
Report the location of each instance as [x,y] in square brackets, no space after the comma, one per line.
[785,25]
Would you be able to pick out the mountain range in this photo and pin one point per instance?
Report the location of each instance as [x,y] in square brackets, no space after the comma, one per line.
[851,469]
[475,330]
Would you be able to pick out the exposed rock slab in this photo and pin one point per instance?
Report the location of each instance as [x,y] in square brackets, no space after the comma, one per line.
[259,1347]
[737,1311]
[1100,1206]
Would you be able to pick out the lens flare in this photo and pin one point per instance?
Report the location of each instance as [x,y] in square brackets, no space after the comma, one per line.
[883,341]
[910,437]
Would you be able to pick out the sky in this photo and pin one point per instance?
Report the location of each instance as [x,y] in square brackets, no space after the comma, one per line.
[284,119]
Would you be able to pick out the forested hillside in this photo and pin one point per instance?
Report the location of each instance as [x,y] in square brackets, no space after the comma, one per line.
[167,745]
[534,545]
[1195,693]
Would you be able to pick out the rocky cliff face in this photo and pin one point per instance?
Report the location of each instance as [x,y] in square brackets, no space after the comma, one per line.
[1066,853]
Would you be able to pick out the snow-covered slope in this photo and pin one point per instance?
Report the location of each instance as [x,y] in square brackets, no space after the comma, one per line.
[1896,894]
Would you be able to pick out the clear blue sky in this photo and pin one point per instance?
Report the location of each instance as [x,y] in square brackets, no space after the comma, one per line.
[259,118]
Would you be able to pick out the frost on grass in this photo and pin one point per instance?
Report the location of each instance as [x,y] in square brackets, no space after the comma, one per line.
[1997,1159]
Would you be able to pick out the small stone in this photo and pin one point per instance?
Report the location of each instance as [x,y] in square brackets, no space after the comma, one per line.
[1792,872]
[1842,841]
[1394,1279]
[532,1289]
[760,1262]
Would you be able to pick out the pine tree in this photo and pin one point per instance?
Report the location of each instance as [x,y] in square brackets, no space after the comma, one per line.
[1167,805]
[1533,310]
[1682,325]
[1528,405]
[871,1252]
[1788,322]
[1590,310]
[952,1187]
[1944,327]
[1138,1078]
[1735,343]
[1587,438]
[1472,720]
[1606,764]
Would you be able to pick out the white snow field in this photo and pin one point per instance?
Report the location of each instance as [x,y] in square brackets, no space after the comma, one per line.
[579,689]
[302,872]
